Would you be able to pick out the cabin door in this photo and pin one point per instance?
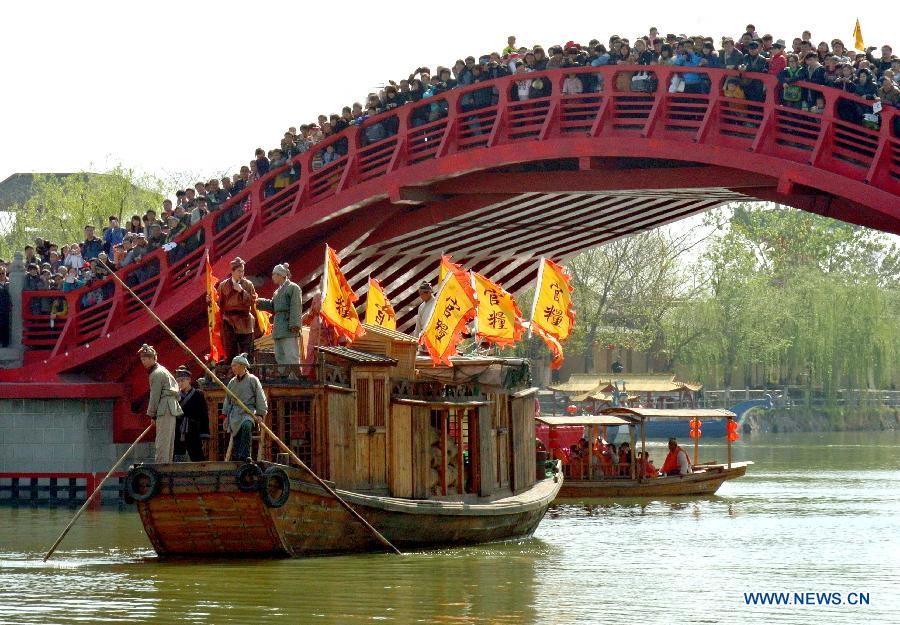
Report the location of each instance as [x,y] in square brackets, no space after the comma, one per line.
[372,405]
[500,427]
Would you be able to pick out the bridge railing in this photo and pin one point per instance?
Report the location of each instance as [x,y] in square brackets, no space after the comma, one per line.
[627,102]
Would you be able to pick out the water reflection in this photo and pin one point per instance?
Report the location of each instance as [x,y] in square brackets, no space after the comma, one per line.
[816,513]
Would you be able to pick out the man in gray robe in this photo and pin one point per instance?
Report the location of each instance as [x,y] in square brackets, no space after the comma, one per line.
[163,406]
[249,390]
[286,305]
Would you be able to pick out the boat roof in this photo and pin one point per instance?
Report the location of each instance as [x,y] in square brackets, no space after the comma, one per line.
[356,355]
[392,334]
[590,419]
[670,413]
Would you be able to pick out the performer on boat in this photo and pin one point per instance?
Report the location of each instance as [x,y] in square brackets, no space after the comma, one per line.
[237,301]
[163,405]
[426,294]
[677,461]
[286,305]
[191,428]
[249,390]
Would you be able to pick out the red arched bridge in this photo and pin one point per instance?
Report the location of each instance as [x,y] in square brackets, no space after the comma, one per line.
[497,183]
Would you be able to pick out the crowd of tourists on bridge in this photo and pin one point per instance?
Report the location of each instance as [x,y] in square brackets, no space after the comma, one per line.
[872,75]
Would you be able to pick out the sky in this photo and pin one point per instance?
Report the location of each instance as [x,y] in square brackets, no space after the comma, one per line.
[194,87]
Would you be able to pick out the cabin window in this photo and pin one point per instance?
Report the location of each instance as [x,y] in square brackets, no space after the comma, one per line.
[292,419]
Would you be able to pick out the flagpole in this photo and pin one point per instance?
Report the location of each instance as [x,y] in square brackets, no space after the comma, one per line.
[540,276]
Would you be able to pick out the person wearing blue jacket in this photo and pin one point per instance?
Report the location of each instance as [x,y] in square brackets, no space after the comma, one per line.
[692,80]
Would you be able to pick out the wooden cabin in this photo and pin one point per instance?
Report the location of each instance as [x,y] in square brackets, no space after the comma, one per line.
[374,417]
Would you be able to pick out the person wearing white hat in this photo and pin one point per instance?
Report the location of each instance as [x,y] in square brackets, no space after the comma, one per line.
[286,306]
[249,390]
[163,406]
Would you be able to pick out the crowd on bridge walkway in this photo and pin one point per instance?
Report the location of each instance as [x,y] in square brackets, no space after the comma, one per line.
[872,75]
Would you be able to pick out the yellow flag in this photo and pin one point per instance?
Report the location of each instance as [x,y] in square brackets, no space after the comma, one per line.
[552,314]
[213,314]
[857,36]
[498,319]
[379,311]
[553,311]
[453,308]
[447,265]
[338,298]
[264,321]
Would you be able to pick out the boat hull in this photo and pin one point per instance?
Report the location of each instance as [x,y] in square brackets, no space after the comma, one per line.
[704,482]
[199,510]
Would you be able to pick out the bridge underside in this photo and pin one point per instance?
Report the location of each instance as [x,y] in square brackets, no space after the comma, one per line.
[500,222]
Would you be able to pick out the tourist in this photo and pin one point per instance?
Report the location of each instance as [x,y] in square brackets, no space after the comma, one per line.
[237,302]
[677,461]
[248,389]
[286,306]
[192,427]
[163,406]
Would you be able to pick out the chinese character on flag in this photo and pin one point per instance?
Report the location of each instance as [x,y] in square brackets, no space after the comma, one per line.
[338,298]
[498,319]
[213,314]
[379,311]
[553,315]
[454,307]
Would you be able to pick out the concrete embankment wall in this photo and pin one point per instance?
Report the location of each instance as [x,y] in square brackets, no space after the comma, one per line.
[825,419]
[58,443]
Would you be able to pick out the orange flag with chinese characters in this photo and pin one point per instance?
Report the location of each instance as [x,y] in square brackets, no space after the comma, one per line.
[453,308]
[338,312]
[213,315]
[264,322]
[553,314]
[498,318]
[379,311]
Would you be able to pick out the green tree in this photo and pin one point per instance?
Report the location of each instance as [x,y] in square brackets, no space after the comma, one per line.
[59,208]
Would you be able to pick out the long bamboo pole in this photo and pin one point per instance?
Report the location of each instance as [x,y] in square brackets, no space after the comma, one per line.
[96,492]
[384,541]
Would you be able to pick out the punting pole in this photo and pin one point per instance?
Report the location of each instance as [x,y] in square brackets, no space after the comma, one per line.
[384,541]
[96,492]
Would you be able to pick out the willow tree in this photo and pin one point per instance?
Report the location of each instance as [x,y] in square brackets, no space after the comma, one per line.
[59,207]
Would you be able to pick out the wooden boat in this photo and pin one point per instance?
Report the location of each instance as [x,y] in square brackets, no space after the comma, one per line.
[429,456]
[586,477]
[201,510]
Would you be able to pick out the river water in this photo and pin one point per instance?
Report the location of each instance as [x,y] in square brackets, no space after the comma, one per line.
[817,513]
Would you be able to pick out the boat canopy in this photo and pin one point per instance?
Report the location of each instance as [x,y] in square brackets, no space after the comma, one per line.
[595,419]
[669,413]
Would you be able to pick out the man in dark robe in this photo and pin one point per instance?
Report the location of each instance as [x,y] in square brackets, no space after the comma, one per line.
[192,428]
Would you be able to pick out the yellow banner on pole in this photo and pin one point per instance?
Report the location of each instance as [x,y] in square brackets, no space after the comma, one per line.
[553,314]
[454,307]
[338,298]
[213,314]
[447,265]
[858,38]
[498,319]
[379,311]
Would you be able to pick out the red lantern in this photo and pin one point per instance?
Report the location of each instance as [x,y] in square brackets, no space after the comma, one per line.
[571,408]
[696,433]
[696,423]
[732,425]
[733,436]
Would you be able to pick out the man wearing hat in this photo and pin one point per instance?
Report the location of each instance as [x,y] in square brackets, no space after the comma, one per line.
[286,305]
[163,406]
[248,389]
[237,301]
[192,428]
[426,294]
